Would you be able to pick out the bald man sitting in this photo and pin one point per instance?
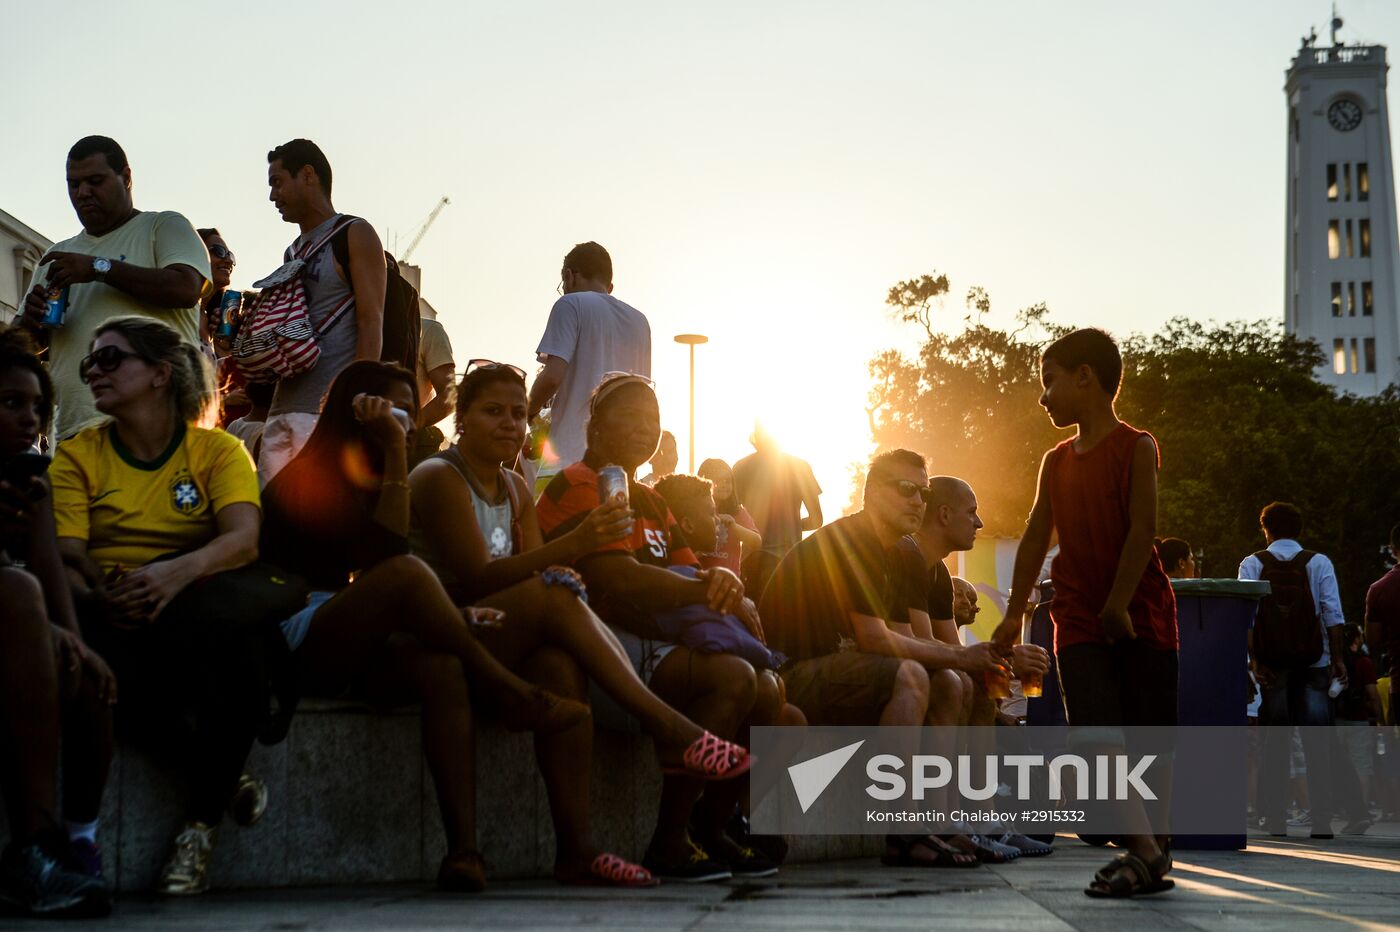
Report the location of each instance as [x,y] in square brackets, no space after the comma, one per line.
[950,525]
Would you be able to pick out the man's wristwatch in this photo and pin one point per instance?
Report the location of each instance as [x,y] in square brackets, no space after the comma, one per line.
[100,268]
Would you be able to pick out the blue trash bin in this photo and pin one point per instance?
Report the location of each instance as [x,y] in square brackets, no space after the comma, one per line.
[1213,617]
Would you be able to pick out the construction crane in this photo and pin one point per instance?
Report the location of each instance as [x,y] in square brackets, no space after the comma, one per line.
[423,230]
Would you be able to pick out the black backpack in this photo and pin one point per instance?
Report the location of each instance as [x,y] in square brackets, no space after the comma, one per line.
[1287,629]
[402,326]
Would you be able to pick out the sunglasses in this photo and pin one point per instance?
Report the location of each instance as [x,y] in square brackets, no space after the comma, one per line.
[905,488]
[108,358]
[488,364]
[222,252]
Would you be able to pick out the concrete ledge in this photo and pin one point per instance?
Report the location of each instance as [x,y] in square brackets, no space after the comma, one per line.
[351,801]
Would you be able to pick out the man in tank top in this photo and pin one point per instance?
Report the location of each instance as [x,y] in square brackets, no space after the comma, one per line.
[299,179]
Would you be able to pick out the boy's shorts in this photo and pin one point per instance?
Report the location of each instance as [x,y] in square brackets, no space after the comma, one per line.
[1109,686]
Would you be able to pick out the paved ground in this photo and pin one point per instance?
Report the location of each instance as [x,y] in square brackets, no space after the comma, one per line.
[1348,883]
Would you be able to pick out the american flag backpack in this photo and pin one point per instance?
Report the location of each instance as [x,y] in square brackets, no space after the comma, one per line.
[276,339]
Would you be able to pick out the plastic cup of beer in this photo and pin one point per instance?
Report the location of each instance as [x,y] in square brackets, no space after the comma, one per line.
[1033,685]
[997,682]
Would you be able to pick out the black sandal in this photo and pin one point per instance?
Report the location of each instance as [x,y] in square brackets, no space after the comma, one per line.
[899,852]
[1129,875]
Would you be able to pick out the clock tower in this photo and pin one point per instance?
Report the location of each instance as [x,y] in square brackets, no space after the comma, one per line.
[1343,288]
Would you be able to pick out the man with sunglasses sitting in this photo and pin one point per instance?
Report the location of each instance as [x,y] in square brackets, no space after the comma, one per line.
[849,606]
[125,262]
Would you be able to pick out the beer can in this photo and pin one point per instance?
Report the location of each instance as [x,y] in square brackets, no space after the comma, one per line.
[229,305]
[612,482]
[57,307]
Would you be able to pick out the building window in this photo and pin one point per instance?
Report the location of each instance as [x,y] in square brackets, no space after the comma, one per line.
[1346,181]
[1334,239]
[1354,355]
[1363,182]
[1336,299]
[1332,181]
[1370,354]
[1367,300]
[1365,228]
[1351,241]
[1351,299]
[1339,356]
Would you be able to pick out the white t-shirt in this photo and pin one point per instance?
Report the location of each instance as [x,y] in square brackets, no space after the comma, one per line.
[594,333]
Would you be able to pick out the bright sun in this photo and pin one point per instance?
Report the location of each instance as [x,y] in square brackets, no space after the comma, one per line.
[811,397]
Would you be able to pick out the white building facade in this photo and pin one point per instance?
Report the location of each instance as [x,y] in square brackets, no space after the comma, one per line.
[1343,255]
[20,249]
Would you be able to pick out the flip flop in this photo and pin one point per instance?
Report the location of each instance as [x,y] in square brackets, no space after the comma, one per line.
[609,870]
[711,758]
[1127,876]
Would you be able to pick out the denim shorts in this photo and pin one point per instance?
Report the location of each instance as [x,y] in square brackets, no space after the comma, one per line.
[294,629]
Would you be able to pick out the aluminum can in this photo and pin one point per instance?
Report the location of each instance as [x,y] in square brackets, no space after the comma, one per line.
[57,307]
[229,305]
[612,482]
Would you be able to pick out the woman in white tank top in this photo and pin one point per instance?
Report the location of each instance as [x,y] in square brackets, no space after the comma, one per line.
[474,522]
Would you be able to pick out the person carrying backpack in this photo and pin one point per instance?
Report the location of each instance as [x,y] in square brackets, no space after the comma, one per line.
[1295,650]
[342,268]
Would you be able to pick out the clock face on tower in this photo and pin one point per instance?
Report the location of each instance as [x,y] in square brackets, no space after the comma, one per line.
[1344,115]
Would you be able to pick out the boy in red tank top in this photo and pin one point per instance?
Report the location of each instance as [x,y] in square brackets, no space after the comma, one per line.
[1113,611]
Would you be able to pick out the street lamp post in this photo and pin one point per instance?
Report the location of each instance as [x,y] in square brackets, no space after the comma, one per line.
[692,340]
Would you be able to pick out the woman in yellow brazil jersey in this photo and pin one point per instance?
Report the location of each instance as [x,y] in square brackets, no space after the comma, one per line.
[147,504]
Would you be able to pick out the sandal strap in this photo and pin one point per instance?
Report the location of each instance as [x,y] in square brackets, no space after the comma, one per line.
[618,870]
[712,755]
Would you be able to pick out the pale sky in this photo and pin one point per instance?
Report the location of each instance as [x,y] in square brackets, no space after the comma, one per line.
[760,172]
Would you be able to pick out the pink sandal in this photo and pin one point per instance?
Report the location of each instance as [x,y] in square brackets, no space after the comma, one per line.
[712,758]
[609,870]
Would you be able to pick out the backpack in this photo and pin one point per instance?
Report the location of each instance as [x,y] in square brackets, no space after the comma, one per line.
[276,339]
[403,326]
[1287,629]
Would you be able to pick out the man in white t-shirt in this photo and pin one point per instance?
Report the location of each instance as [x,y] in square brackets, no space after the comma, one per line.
[124,262]
[589,333]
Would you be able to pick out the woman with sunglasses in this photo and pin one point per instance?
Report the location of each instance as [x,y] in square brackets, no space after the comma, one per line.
[150,502]
[391,634]
[474,522]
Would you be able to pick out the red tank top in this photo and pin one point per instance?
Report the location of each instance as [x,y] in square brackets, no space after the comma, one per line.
[1089,499]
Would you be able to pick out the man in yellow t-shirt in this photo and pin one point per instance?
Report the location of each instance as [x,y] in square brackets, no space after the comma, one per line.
[129,512]
[125,262]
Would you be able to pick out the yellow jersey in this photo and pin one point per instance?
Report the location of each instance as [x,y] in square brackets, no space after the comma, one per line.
[130,511]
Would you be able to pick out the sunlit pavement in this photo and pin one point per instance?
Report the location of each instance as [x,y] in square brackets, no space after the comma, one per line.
[1294,883]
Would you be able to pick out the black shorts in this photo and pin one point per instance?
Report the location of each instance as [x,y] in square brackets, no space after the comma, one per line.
[1108,686]
[846,688]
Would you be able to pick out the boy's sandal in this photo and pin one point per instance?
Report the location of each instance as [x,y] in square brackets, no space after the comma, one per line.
[609,870]
[899,852]
[1129,875]
[711,758]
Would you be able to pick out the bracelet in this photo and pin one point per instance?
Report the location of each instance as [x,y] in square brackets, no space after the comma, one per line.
[566,577]
[403,484]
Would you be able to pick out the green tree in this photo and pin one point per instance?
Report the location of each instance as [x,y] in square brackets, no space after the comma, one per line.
[1239,416]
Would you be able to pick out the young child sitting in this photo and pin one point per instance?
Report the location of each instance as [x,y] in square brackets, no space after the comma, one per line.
[691,500]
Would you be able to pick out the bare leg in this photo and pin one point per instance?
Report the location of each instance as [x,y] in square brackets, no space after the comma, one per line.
[403,595]
[537,614]
[29,719]
[404,671]
[717,692]
[565,759]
